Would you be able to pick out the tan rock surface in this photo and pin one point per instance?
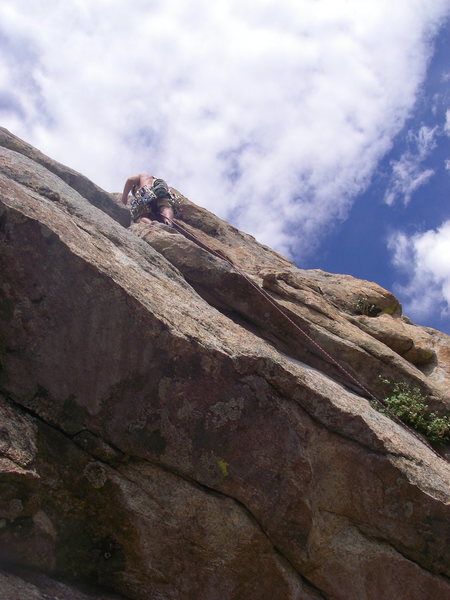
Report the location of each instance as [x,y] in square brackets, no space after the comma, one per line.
[172,436]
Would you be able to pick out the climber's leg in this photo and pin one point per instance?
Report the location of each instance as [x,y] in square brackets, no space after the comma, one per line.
[166,213]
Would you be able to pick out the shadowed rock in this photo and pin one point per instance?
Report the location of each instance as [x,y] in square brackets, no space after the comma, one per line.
[168,434]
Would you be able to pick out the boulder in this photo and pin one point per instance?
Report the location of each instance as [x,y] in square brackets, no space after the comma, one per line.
[177,426]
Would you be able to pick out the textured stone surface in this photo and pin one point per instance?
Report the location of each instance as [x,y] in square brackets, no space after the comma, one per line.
[26,585]
[168,434]
[98,197]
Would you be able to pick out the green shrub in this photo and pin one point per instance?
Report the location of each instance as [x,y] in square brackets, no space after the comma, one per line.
[364,307]
[410,406]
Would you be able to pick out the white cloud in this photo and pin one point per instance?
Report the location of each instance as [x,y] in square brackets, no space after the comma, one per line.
[426,140]
[447,122]
[424,257]
[408,173]
[271,113]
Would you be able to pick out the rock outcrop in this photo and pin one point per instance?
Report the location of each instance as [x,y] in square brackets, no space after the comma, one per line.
[166,433]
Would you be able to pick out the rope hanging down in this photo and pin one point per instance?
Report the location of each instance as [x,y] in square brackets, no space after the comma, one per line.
[331,359]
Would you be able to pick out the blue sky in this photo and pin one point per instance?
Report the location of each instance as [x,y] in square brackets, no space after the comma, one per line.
[319,126]
[396,210]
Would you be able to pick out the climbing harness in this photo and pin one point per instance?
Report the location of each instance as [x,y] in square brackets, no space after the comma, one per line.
[142,202]
[328,356]
[176,205]
[148,199]
[162,192]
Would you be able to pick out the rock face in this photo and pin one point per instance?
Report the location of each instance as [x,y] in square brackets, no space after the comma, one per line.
[167,433]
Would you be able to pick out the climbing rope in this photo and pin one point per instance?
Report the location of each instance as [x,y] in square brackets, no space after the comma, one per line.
[331,359]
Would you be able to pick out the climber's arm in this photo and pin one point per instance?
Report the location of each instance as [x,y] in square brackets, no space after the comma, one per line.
[134,180]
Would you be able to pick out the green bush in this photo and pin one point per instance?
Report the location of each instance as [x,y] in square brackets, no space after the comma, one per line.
[409,405]
[364,307]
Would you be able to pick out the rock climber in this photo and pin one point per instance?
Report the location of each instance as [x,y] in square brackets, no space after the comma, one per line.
[151,199]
